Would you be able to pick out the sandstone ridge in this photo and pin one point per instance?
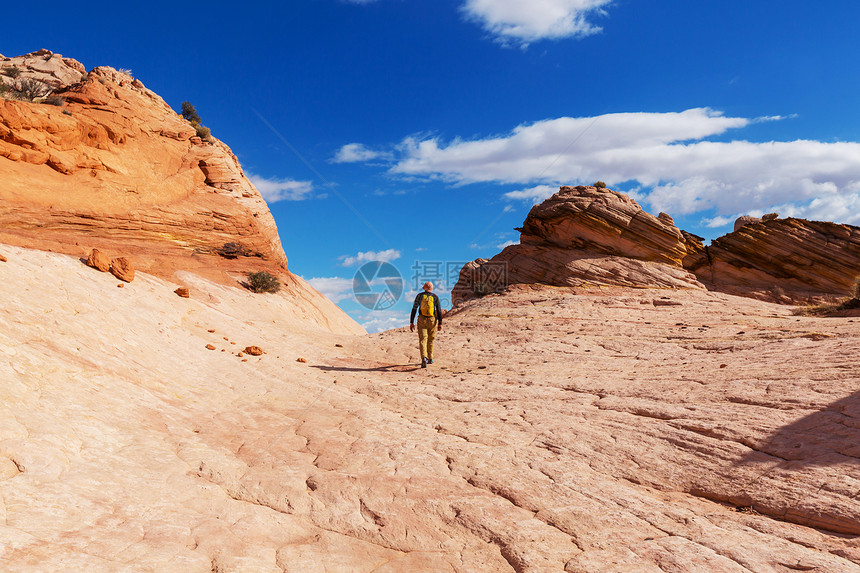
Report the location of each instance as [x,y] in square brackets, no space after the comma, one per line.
[111,166]
[595,236]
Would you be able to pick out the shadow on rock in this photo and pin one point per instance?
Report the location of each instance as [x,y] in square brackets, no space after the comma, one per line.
[389,368]
[828,437]
[806,472]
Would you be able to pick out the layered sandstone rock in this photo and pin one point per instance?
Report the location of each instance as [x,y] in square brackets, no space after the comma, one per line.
[586,235]
[116,168]
[794,259]
[112,166]
[600,220]
[44,66]
[595,236]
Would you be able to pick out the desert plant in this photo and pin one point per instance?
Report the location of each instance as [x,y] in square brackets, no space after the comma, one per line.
[777,291]
[125,71]
[262,281]
[231,250]
[203,132]
[600,184]
[815,309]
[32,89]
[855,289]
[4,88]
[56,100]
[190,113]
[11,72]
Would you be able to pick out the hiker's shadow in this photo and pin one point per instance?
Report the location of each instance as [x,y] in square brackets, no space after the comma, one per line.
[389,368]
[827,437]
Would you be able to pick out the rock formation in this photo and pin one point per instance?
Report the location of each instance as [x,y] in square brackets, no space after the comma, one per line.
[123,269]
[595,236]
[113,166]
[790,259]
[98,260]
[110,165]
[586,236]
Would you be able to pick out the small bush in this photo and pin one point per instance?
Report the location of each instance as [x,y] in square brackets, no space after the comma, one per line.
[189,113]
[855,290]
[600,184]
[203,132]
[232,250]
[191,116]
[4,88]
[263,282]
[11,72]
[56,100]
[32,89]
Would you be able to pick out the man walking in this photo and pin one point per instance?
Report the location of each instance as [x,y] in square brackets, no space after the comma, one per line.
[429,321]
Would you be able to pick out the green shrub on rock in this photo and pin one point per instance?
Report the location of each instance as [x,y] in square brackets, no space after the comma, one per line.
[262,282]
[189,112]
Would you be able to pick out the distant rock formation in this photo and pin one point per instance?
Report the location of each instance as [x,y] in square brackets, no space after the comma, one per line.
[788,259]
[586,236]
[95,159]
[594,236]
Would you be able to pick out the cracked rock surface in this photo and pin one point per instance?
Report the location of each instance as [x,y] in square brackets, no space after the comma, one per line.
[559,429]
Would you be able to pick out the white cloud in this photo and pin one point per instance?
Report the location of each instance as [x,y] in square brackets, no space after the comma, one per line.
[335,288]
[561,149]
[355,152]
[720,221]
[274,190]
[365,257]
[666,152]
[833,207]
[533,194]
[380,320]
[515,21]
[507,244]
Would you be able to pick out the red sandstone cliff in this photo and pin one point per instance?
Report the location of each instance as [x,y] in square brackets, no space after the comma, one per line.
[110,165]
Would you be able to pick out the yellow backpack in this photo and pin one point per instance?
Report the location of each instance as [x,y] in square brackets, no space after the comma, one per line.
[427,305]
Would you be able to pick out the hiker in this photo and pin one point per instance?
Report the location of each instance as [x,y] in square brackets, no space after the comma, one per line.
[429,321]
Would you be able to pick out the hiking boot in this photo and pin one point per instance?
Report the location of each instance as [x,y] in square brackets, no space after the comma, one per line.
[423,362]
[429,361]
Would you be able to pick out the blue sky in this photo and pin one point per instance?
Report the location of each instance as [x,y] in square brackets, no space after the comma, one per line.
[424,130]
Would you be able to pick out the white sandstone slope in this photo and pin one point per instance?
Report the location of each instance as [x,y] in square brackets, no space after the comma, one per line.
[560,430]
